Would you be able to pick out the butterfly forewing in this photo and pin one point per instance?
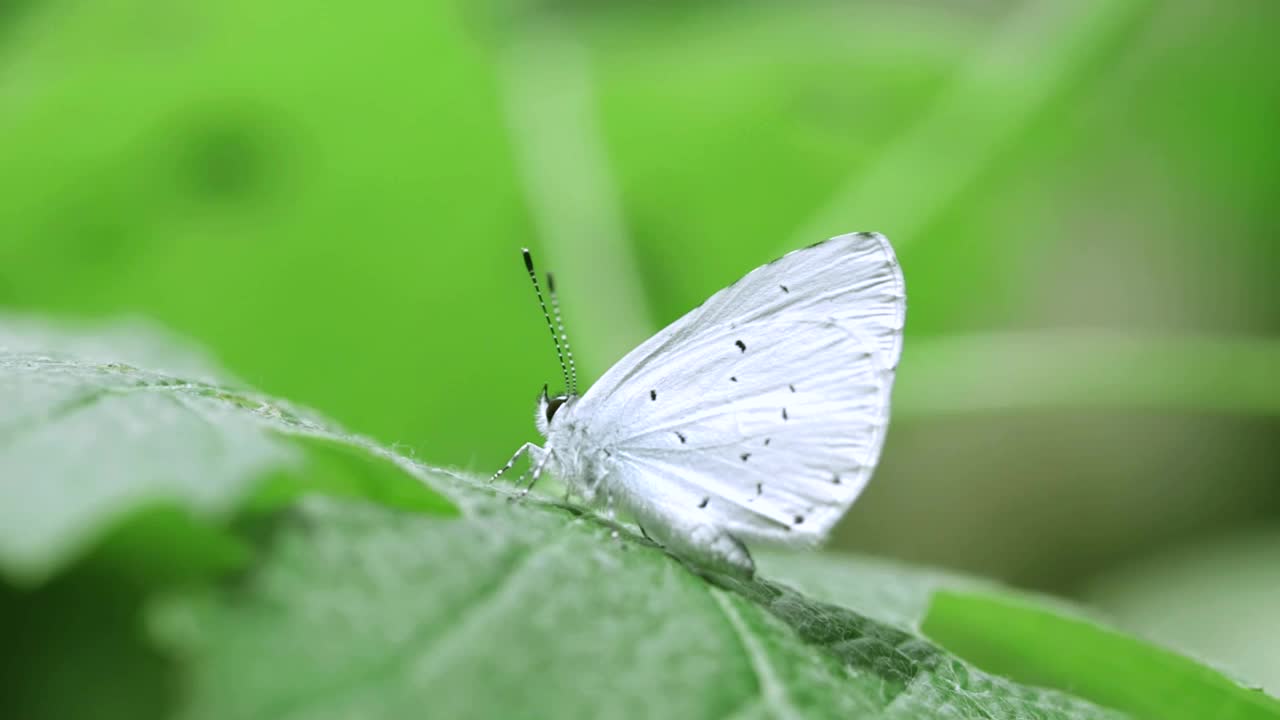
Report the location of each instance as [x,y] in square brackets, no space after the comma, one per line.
[855,278]
[765,408]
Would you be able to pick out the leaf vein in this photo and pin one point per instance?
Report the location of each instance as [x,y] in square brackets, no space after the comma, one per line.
[772,690]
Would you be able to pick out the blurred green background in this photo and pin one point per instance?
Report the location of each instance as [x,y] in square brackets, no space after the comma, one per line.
[1082,195]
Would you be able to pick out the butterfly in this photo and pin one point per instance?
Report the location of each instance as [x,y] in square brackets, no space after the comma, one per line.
[758,416]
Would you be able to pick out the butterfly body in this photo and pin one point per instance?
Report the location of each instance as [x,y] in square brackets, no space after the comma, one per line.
[757,416]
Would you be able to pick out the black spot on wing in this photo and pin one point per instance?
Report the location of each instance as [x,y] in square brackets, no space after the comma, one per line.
[784,288]
[784,414]
[681,436]
[741,345]
[744,456]
[835,479]
[704,502]
[793,387]
[733,378]
[799,519]
[653,394]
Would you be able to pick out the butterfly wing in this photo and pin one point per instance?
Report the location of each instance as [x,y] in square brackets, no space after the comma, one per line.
[764,408]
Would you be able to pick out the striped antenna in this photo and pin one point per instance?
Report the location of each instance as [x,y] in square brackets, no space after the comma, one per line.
[533,275]
[564,337]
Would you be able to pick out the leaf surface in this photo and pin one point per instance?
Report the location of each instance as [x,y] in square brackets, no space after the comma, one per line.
[272,565]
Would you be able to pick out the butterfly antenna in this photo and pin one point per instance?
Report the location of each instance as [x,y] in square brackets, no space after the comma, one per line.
[533,275]
[564,337]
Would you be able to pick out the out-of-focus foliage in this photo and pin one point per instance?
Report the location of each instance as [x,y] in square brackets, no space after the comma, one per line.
[1215,599]
[332,201]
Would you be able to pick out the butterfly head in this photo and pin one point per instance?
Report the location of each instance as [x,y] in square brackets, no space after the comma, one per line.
[548,406]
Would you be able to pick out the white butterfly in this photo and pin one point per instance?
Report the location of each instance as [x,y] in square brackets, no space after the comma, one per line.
[759,415]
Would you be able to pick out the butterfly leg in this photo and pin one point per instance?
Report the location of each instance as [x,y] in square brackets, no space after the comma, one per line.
[527,448]
[539,457]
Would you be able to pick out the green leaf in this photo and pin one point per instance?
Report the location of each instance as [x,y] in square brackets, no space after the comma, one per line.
[533,610]
[1214,597]
[248,560]
[85,445]
[1033,640]
[1096,662]
[75,649]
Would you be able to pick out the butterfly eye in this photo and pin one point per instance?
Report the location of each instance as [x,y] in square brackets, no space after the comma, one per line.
[553,404]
